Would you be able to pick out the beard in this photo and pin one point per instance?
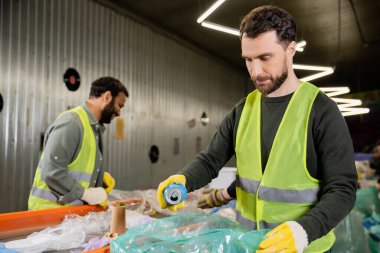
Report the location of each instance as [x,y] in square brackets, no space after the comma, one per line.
[275,83]
[107,113]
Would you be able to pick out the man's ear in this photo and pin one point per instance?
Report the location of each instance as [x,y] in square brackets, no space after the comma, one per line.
[291,50]
[107,96]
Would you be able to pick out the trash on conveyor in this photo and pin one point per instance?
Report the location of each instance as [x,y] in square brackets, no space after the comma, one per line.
[189,232]
[73,232]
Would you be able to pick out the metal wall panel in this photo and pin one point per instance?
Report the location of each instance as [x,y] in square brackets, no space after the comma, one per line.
[169,85]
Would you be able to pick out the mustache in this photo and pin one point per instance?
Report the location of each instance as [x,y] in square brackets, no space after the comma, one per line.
[261,78]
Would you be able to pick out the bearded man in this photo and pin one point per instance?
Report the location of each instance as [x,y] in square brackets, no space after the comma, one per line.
[71,168]
[295,162]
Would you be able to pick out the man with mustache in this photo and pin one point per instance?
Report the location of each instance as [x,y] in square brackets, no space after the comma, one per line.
[71,167]
[295,162]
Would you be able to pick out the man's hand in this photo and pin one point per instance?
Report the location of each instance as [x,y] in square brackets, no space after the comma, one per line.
[289,237]
[94,196]
[212,198]
[178,179]
[108,182]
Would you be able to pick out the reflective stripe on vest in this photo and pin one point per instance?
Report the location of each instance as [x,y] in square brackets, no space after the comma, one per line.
[285,191]
[80,176]
[278,195]
[81,169]
[51,197]
[253,225]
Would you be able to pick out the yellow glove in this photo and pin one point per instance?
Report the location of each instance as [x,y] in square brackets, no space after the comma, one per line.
[104,203]
[289,237]
[178,179]
[212,198]
[108,182]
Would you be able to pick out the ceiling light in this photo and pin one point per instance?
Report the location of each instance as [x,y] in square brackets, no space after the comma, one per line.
[345,105]
[324,71]
[334,91]
[210,10]
[311,67]
[300,46]
[354,111]
[221,28]
[315,76]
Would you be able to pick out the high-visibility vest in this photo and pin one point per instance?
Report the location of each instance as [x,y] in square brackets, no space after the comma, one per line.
[80,169]
[285,191]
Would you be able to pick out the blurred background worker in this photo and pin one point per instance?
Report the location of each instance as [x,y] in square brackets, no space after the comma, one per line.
[295,162]
[217,197]
[70,171]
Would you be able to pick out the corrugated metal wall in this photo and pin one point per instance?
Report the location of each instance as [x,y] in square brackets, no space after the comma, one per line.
[169,85]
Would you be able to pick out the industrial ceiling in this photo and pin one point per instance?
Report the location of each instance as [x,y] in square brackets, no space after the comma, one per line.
[343,34]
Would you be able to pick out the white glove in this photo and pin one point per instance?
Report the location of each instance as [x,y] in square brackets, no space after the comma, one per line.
[94,196]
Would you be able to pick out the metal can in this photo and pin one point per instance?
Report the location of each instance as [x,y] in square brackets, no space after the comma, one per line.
[175,193]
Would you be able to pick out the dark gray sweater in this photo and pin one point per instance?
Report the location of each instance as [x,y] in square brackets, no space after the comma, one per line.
[330,158]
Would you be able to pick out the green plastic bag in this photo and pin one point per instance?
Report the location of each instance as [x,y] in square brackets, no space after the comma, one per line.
[189,232]
[367,201]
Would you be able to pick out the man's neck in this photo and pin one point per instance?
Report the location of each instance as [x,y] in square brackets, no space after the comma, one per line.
[93,109]
[289,86]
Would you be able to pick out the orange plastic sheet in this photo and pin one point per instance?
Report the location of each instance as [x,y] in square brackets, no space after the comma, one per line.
[25,222]
[105,249]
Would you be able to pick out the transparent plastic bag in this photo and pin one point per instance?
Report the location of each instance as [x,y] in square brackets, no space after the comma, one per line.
[350,235]
[189,232]
[52,238]
[71,233]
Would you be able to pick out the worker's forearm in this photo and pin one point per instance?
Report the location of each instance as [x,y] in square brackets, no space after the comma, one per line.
[61,183]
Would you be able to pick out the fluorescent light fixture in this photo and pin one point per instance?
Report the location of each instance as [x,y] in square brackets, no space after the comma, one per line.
[324,71]
[354,111]
[221,28]
[311,67]
[335,91]
[210,10]
[315,76]
[345,105]
[300,46]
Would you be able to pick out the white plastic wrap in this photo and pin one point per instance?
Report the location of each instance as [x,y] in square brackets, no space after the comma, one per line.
[71,233]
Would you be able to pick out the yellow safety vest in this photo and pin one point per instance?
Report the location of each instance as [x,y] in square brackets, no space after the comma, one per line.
[285,191]
[80,169]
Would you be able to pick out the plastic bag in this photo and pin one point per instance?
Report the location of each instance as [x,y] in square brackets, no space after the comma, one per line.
[367,201]
[55,238]
[189,232]
[350,235]
[71,233]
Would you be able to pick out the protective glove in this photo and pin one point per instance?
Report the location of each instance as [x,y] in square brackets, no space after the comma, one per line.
[108,182]
[212,198]
[94,196]
[289,237]
[178,179]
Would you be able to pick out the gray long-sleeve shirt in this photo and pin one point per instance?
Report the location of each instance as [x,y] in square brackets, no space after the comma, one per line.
[330,158]
[62,143]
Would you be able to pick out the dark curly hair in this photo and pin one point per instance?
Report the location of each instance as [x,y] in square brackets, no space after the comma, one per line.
[107,83]
[269,18]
